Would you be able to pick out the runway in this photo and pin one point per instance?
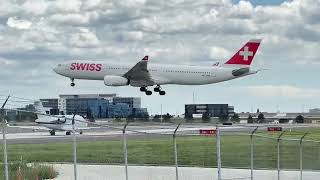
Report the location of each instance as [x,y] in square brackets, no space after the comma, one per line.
[18,135]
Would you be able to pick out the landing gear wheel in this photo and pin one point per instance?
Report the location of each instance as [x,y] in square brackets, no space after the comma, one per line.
[68,133]
[52,133]
[72,82]
[81,132]
[143,89]
[159,90]
[148,93]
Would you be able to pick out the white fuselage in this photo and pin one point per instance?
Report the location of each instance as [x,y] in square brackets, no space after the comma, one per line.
[61,122]
[160,73]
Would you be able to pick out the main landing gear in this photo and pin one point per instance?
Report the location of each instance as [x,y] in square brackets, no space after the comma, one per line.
[72,82]
[159,90]
[156,89]
[144,89]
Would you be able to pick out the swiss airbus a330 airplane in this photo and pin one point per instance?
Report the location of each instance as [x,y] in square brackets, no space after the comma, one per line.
[144,74]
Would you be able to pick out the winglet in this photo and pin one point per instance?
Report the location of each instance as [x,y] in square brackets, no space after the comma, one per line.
[145,58]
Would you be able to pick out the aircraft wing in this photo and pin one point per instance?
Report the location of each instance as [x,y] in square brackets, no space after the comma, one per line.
[34,128]
[139,75]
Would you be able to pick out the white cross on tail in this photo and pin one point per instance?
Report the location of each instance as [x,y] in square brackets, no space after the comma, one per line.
[246,53]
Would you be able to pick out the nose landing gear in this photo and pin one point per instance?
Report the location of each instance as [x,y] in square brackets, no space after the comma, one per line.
[72,84]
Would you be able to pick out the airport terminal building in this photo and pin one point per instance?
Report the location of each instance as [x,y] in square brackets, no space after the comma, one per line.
[96,105]
[213,110]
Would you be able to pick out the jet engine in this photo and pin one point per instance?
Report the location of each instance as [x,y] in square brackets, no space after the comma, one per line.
[115,81]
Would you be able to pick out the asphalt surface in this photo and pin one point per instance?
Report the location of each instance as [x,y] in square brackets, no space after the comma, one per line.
[18,135]
[114,172]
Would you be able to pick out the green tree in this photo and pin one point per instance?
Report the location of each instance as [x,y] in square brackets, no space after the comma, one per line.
[261,118]
[300,119]
[143,117]
[250,119]
[205,117]
[156,118]
[166,117]
[188,117]
[223,118]
[235,118]
[118,119]
[130,118]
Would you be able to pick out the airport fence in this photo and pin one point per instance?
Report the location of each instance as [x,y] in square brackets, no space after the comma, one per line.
[215,148]
[180,148]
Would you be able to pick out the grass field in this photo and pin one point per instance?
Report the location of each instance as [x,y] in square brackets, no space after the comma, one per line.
[192,151]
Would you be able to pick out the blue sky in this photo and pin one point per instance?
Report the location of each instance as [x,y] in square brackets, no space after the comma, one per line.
[37,35]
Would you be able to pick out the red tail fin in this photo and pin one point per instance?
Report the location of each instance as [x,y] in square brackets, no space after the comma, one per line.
[145,58]
[246,54]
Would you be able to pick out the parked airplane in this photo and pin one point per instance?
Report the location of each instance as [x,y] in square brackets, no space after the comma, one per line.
[144,75]
[59,122]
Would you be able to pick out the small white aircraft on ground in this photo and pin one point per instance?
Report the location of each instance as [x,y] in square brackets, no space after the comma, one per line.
[59,122]
[144,74]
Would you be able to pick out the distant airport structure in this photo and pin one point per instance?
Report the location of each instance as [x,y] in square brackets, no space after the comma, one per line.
[91,106]
[212,110]
[96,105]
[226,112]
[270,117]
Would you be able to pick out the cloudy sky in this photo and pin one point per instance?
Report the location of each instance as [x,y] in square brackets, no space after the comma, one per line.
[36,35]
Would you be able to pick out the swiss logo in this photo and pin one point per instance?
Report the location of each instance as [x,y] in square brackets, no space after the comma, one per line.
[246,53]
[86,67]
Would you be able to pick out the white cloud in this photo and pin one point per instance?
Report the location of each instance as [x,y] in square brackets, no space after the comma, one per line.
[173,31]
[130,3]
[84,38]
[218,53]
[243,9]
[8,8]
[91,4]
[74,18]
[286,91]
[16,23]
[35,7]
[131,36]
[69,6]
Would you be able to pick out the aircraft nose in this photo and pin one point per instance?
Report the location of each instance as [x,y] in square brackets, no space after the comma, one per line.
[57,69]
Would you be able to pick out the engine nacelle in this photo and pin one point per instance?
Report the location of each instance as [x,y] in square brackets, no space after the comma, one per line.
[115,81]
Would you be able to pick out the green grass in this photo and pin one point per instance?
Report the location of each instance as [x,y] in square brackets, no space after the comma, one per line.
[192,151]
